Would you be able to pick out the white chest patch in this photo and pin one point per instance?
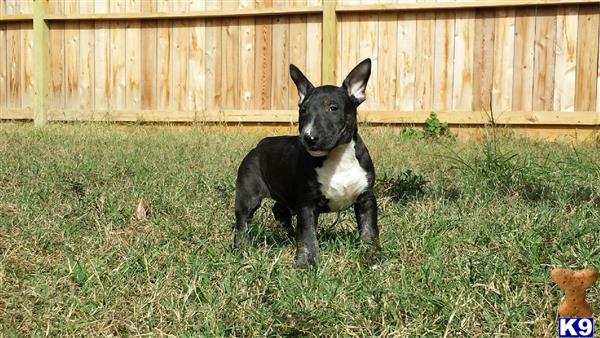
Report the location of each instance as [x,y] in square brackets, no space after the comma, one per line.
[342,178]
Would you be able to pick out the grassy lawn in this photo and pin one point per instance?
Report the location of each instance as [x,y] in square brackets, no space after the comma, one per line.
[470,232]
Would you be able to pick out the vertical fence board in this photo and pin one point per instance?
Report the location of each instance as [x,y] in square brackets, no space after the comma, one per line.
[587,58]
[504,42]
[566,51]
[464,45]
[180,64]
[163,59]
[424,65]
[598,72]
[348,55]
[27,64]
[3,54]
[196,76]
[26,7]
[264,45]
[148,57]
[71,57]
[118,72]
[13,38]
[180,58]
[213,59]
[230,58]
[102,95]
[368,25]
[85,88]
[387,49]
[523,60]
[246,64]
[483,59]
[405,63]
[314,45]
[279,98]
[444,60]
[133,51]
[545,38]
[297,51]
[164,80]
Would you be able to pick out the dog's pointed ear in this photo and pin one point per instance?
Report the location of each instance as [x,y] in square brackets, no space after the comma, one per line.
[302,84]
[356,82]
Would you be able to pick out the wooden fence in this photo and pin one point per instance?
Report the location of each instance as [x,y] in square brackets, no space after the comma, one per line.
[531,62]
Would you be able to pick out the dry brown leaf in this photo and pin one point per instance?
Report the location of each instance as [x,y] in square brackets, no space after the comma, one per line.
[141,210]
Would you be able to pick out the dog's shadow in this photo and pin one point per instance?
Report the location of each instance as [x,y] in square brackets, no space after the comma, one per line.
[273,234]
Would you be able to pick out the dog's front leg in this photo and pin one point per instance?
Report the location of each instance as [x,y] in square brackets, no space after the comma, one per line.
[307,251]
[365,209]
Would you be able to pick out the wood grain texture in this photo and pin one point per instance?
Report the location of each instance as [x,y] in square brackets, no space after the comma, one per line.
[348,54]
[213,59]
[443,60]
[405,63]
[483,59]
[523,60]
[587,58]
[247,61]
[86,60]
[180,62]
[368,27]
[3,67]
[281,60]
[566,51]
[26,50]
[13,64]
[148,58]
[504,52]
[263,66]
[230,58]
[314,45]
[197,71]
[101,59]
[424,64]
[72,97]
[133,51]
[330,39]
[118,59]
[387,51]
[464,44]
[297,51]
[27,65]
[543,74]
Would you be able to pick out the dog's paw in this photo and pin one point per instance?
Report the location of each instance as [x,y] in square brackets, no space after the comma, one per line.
[372,255]
[305,258]
[241,241]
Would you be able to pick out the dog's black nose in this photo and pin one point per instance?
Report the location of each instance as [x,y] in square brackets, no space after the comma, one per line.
[310,140]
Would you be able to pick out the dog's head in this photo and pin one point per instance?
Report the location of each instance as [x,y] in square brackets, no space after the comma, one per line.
[328,113]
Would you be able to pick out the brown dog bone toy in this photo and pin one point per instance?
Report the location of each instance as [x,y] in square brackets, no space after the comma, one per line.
[574,283]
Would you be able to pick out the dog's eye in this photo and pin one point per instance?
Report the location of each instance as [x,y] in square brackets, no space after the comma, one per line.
[302,110]
[333,108]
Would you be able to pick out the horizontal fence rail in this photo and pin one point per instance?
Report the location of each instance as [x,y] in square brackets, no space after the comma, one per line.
[529,63]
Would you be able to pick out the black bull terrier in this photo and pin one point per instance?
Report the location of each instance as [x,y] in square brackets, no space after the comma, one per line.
[326,168]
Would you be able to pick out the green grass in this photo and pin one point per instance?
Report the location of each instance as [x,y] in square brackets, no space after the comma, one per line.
[470,232]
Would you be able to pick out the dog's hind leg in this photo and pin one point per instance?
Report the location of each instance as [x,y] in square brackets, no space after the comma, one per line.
[283,216]
[250,192]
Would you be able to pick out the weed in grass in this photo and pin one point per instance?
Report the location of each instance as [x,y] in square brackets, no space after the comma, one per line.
[434,128]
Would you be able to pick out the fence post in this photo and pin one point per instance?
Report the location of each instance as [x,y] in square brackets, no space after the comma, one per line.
[40,62]
[329,42]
